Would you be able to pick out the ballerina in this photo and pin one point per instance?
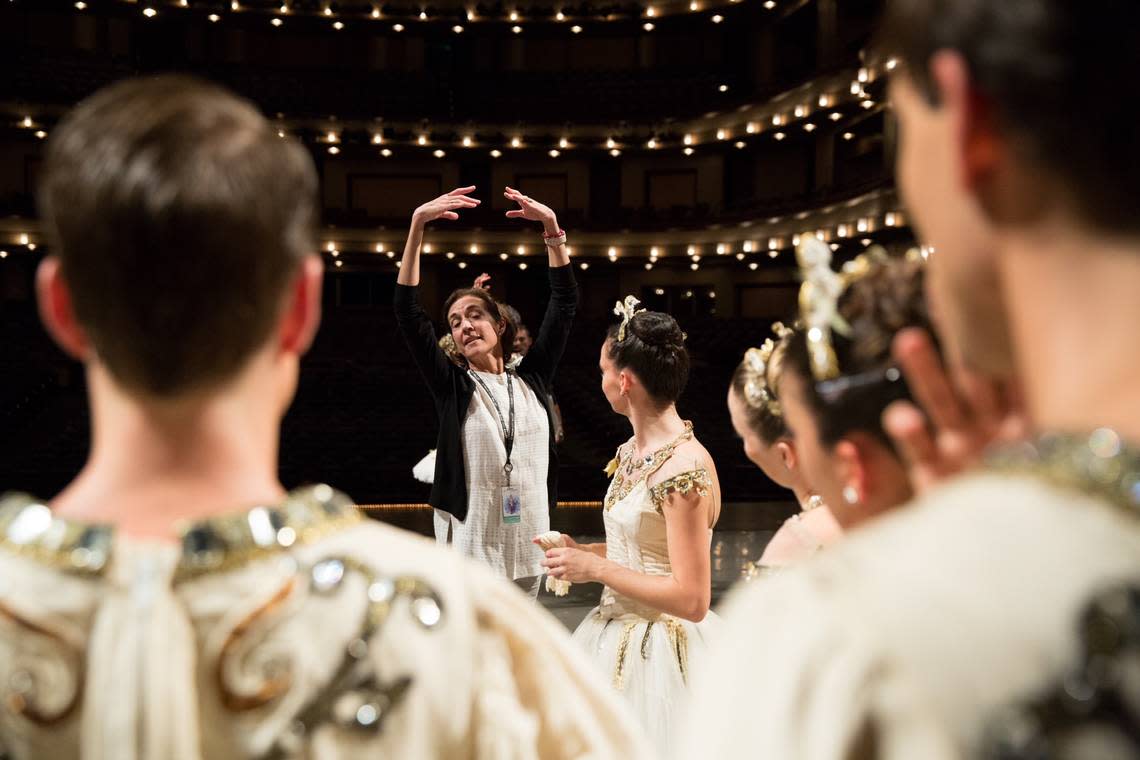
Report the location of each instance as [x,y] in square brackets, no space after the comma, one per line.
[662,503]
[758,419]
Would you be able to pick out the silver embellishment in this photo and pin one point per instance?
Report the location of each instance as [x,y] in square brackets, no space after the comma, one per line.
[327,575]
[367,715]
[30,529]
[357,649]
[426,611]
[372,699]
[381,591]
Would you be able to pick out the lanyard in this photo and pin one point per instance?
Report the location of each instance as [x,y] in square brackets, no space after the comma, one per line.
[508,432]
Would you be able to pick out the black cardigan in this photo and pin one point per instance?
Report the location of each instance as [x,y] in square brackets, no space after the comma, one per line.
[452,387]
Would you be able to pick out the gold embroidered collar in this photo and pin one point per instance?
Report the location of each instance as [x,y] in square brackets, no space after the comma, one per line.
[28,528]
[1100,464]
[623,484]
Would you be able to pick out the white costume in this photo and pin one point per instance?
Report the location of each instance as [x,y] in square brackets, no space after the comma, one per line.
[905,639]
[299,630]
[645,652]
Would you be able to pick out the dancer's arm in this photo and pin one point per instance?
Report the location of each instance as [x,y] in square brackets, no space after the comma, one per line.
[413,321]
[687,592]
[552,336]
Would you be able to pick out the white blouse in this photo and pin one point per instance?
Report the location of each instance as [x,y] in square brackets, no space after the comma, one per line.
[505,548]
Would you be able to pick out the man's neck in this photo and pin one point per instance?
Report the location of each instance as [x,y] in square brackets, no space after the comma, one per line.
[1074,312]
[152,467]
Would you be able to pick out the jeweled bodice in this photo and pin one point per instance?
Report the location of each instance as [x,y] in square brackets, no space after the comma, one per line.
[634,518]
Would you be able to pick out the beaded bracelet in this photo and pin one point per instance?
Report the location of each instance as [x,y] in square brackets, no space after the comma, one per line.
[558,238]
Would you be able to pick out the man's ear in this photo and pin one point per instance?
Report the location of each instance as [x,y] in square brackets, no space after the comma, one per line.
[979,143]
[302,313]
[53,298]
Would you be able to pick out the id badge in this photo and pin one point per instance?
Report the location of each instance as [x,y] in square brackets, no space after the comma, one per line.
[511,505]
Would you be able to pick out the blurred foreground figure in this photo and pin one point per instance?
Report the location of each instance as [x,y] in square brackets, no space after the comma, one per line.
[174,601]
[940,629]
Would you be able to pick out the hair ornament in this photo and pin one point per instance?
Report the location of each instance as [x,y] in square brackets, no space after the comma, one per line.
[626,310]
[819,305]
[819,297]
[447,344]
[757,364]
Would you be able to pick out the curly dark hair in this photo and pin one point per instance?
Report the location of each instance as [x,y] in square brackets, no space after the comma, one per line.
[654,348]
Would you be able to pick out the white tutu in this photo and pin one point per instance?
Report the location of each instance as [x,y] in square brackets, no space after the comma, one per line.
[424,471]
[648,662]
[644,653]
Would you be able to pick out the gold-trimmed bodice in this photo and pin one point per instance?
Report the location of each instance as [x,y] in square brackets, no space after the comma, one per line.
[634,518]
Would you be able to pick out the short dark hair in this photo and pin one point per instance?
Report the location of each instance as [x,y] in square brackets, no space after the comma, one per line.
[179,218]
[497,311]
[763,418]
[654,348]
[1061,76]
[877,306]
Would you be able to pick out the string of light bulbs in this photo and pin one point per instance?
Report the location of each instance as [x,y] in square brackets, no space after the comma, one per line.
[340,13]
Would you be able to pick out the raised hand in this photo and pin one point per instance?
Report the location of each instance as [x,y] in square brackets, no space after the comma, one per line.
[483,282]
[531,209]
[445,206]
[959,413]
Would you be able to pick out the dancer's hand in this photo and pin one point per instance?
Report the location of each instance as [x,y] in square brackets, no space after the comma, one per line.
[482,281]
[532,210]
[959,413]
[445,206]
[572,564]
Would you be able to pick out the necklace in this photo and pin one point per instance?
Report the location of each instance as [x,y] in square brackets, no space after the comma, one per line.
[1100,463]
[635,463]
[624,480]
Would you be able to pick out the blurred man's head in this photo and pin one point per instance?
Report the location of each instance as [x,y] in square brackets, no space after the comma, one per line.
[182,231]
[1012,114]
[523,340]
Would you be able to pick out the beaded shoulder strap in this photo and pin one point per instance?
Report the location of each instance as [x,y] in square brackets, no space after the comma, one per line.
[683,483]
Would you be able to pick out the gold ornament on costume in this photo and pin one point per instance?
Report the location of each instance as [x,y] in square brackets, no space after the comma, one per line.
[626,310]
[757,366]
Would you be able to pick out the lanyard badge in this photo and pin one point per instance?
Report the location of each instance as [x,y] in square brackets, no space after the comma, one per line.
[510,500]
